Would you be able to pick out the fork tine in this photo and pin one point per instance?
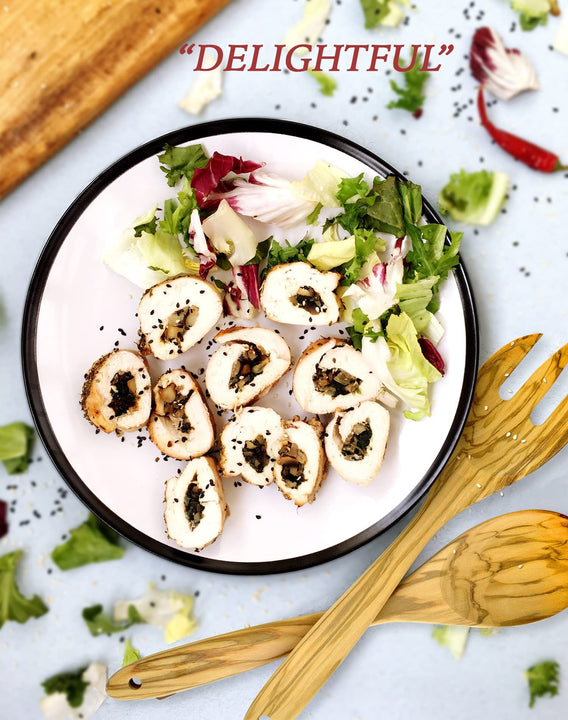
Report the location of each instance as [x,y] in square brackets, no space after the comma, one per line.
[494,371]
[552,436]
[539,383]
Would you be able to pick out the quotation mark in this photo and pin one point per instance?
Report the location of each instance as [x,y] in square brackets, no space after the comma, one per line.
[188,49]
[446,50]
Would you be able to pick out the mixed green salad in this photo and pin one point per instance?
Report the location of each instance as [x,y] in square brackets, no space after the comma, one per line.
[370,231]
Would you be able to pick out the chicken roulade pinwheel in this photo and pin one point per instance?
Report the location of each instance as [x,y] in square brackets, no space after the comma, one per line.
[249,363]
[301,464]
[250,445]
[299,294]
[116,393]
[180,424]
[195,505]
[176,314]
[355,441]
[332,375]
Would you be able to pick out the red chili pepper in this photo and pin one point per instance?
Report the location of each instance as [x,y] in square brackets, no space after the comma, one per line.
[530,154]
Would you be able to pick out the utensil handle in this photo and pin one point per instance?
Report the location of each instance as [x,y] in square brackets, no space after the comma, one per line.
[329,641]
[204,661]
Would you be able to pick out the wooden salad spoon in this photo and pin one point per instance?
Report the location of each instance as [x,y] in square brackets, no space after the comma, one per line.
[498,446]
[510,570]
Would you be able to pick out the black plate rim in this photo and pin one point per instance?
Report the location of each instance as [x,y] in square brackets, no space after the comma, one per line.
[29,350]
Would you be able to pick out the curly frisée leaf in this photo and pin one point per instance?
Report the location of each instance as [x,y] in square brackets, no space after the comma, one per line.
[543,680]
[411,94]
[13,605]
[93,541]
[177,162]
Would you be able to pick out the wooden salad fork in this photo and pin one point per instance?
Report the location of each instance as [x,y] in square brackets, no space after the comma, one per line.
[498,446]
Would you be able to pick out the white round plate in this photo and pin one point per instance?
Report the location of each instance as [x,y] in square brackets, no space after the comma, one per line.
[77,310]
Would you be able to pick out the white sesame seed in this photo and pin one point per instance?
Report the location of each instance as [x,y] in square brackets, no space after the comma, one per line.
[520,567]
[544,380]
[508,434]
[478,485]
[506,374]
[487,407]
[514,437]
[524,440]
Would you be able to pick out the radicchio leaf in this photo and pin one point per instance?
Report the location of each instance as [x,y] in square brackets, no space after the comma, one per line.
[3,518]
[249,277]
[432,355]
[209,179]
[505,72]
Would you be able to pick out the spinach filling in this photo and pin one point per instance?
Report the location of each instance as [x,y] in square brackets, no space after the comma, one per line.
[308,299]
[254,453]
[293,461]
[250,364]
[335,382]
[192,505]
[122,393]
[355,447]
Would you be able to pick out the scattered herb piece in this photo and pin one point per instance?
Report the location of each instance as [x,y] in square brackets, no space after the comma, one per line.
[177,162]
[453,637]
[327,84]
[383,12]
[16,440]
[13,605]
[528,153]
[93,541]
[475,197]
[71,684]
[100,624]
[411,96]
[131,654]
[543,680]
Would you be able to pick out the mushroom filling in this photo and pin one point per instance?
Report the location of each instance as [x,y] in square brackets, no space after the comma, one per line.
[292,460]
[171,403]
[250,364]
[192,505]
[308,299]
[335,381]
[254,453]
[179,323]
[122,392]
[355,447]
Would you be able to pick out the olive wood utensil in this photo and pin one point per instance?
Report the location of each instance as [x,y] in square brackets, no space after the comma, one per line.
[510,570]
[498,446]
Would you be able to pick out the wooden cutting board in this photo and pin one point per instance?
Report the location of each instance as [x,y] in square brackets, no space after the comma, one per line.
[63,62]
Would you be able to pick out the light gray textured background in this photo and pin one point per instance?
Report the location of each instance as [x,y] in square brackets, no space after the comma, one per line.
[517,267]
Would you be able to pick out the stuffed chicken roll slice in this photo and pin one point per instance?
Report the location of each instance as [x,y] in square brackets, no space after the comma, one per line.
[180,424]
[175,314]
[250,444]
[298,294]
[332,375]
[116,393]
[356,440]
[301,464]
[249,363]
[195,505]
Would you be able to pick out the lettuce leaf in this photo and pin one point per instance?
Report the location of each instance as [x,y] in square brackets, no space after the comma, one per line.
[71,684]
[543,679]
[387,209]
[474,198]
[16,441]
[93,541]
[13,605]
[327,84]
[131,654]
[534,12]
[452,637]
[383,12]
[75,695]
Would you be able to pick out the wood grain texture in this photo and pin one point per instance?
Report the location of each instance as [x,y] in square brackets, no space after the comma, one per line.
[63,62]
[509,570]
[498,446]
